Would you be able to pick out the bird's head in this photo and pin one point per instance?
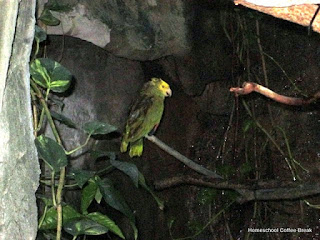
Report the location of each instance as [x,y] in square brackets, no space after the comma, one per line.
[161,87]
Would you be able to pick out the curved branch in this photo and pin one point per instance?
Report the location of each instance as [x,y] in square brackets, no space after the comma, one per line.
[251,190]
[191,164]
[249,87]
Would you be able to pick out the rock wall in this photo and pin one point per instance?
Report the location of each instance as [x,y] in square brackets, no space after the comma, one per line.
[150,30]
[197,118]
[19,167]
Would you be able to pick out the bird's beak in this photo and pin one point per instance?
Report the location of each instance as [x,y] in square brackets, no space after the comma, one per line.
[168,93]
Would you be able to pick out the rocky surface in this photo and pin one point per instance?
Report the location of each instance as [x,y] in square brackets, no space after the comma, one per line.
[151,30]
[19,166]
[201,120]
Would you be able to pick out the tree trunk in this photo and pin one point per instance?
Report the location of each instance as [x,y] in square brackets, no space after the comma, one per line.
[19,167]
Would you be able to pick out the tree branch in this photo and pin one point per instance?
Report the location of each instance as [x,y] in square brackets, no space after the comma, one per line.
[249,191]
[249,87]
[191,164]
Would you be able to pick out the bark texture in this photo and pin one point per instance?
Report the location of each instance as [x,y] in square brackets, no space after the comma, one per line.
[19,167]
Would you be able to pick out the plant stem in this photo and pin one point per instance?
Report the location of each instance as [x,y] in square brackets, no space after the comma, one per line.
[43,112]
[52,189]
[62,170]
[40,121]
[104,170]
[47,112]
[43,216]
[79,147]
[271,139]
[59,206]
[286,75]
[290,153]
[34,114]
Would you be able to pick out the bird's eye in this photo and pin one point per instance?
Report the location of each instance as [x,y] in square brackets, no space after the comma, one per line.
[162,86]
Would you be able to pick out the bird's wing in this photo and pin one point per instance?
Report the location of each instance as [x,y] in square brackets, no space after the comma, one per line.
[135,124]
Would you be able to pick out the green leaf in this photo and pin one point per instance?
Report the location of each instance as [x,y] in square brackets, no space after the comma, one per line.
[48,19]
[63,119]
[96,127]
[97,154]
[39,74]
[57,102]
[249,123]
[81,176]
[60,84]
[114,199]
[50,74]
[45,236]
[128,168]
[142,182]
[57,7]
[51,152]
[47,201]
[50,220]
[40,35]
[135,230]
[107,222]
[88,194]
[85,226]
[98,196]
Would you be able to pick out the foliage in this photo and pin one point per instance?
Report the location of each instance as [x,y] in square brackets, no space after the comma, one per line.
[261,148]
[50,77]
[207,195]
[51,152]
[47,16]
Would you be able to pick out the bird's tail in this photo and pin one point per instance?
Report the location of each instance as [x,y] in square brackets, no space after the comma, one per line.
[123,146]
[136,148]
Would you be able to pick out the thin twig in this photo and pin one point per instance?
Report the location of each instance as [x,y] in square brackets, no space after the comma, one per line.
[271,139]
[79,147]
[295,87]
[34,114]
[52,183]
[250,190]
[191,164]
